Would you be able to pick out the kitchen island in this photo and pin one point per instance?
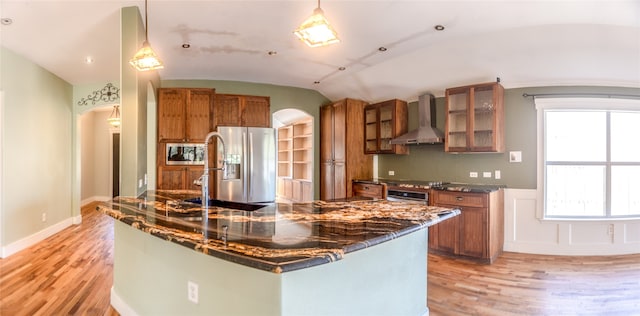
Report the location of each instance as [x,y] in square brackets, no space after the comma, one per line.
[354,257]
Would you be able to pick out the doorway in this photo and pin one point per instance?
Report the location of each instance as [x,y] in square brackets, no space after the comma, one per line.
[295,152]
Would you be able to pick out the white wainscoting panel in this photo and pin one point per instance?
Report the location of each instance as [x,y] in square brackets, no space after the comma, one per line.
[526,233]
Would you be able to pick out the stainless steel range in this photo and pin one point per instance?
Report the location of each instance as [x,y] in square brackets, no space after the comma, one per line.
[411,191]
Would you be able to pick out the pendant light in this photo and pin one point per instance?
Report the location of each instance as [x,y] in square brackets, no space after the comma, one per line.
[316,31]
[146,59]
[114,118]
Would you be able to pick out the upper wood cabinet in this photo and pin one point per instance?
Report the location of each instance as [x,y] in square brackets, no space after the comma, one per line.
[184,115]
[474,118]
[241,110]
[382,122]
[341,141]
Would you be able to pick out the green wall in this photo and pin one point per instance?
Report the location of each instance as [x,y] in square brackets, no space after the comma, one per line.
[134,103]
[430,162]
[36,148]
[281,97]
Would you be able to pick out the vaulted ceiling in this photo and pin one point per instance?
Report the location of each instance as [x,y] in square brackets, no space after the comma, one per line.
[525,43]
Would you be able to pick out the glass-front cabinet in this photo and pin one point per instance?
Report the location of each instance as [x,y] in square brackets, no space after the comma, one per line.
[475,118]
[382,122]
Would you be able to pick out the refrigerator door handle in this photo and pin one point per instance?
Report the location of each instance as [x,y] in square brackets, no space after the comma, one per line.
[245,161]
[250,167]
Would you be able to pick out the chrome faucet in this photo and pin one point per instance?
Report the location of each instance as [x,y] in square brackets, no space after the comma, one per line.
[204,179]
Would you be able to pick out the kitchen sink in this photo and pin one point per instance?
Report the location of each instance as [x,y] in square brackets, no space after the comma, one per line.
[230,205]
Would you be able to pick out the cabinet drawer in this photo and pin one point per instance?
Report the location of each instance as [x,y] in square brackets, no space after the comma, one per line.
[368,190]
[460,198]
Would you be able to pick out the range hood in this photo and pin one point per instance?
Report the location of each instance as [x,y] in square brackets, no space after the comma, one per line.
[426,133]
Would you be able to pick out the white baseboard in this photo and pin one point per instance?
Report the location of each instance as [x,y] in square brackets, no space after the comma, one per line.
[120,305]
[93,199]
[29,241]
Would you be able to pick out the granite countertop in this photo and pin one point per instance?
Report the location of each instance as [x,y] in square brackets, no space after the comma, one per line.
[443,186]
[279,237]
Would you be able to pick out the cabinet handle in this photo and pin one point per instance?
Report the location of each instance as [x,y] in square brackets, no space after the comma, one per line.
[366,188]
[459,198]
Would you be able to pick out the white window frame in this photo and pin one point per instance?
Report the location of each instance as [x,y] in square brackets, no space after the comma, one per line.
[571,103]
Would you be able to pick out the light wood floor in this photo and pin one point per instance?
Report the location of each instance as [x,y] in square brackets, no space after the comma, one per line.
[71,274]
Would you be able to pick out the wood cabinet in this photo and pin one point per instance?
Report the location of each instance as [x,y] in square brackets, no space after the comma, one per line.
[382,122]
[474,118]
[372,190]
[241,110]
[184,115]
[477,233]
[295,161]
[178,177]
[341,141]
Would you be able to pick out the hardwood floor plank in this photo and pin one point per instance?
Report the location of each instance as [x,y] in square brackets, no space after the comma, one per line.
[71,273]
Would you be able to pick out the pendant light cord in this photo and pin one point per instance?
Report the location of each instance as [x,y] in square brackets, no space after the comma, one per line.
[146,22]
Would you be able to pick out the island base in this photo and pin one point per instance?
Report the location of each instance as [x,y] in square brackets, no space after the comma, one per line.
[151,276]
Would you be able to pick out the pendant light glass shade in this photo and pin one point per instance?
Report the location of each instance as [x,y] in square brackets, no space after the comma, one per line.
[316,31]
[146,59]
[114,118]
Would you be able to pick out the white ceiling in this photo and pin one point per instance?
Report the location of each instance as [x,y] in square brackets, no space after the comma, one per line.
[525,43]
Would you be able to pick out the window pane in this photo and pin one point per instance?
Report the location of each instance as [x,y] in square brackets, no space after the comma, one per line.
[575,190]
[575,136]
[625,186]
[625,130]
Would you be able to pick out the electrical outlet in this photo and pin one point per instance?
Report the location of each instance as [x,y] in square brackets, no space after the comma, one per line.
[610,229]
[473,174]
[486,174]
[44,217]
[497,174]
[392,173]
[139,183]
[192,292]
[146,179]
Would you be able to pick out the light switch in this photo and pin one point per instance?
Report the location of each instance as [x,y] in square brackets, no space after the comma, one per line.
[486,174]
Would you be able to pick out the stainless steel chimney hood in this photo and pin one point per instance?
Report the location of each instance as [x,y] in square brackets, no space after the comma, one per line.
[426,133]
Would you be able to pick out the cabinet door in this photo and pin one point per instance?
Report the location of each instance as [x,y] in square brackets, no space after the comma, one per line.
[444,236]
[473,232]
[339,132]
[171,178]
[193,174]
[340,180]
[371,130]
[456,122]
[326,181]
[307,191]
[255,112]
[226,110]
[387,120]
[171,115]
[326,134]
[198,114]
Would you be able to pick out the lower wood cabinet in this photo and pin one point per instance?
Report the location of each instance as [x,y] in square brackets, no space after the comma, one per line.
[372,190]
[477,233]
[178,177]
[295,190]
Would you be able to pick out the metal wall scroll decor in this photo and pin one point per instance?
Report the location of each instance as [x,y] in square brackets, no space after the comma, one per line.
[108,94]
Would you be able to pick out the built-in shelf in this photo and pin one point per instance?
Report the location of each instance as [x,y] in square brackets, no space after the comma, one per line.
[295,161]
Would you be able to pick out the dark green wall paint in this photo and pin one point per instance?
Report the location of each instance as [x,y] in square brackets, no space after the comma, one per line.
[430,162]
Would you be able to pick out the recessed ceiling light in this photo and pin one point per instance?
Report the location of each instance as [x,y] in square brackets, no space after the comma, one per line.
[6,21]
[439,27]
[186,45]
[382,49]
[88,60]
[342,68]
[272,53]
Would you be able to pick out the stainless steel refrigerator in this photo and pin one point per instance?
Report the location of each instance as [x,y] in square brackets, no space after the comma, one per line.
[250,174]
